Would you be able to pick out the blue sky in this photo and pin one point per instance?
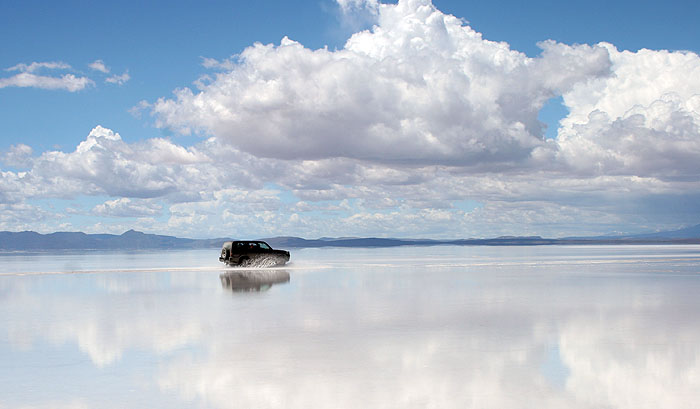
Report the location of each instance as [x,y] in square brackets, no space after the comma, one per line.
[286,140]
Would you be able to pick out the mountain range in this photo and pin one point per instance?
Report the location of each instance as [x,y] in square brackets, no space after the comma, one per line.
[134,240]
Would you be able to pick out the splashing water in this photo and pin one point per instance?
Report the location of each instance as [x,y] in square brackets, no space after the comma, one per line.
[263,262]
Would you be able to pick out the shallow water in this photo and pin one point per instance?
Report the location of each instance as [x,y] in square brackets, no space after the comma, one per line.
[409,327]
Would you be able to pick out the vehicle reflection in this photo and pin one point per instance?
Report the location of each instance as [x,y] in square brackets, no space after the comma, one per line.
[253,280]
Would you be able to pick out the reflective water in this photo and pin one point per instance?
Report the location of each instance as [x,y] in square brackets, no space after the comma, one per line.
[425,327]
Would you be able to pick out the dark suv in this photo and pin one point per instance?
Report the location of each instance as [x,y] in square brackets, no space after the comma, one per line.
[252,253]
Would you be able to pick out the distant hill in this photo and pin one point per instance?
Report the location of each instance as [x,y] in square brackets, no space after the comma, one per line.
[686,233]
[130,240]
[134,240]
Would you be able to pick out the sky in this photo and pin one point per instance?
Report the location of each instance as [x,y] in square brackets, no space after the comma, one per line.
[443,119]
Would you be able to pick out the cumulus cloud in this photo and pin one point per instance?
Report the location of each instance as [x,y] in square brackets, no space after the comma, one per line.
[644,120]
[18,216]
[18,155]
[125,207]
[104,164]
[212,189]
[419,88]
[406,121]
[352,5]
[357,15]
[422,88]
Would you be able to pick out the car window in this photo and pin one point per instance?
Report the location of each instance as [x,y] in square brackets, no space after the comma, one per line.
[265,246]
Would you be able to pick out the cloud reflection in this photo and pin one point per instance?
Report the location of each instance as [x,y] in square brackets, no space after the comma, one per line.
[398,334]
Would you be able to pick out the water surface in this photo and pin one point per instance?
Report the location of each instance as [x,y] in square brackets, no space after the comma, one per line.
[409,327]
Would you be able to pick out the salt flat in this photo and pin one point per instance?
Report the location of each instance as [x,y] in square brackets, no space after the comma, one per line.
[409,327]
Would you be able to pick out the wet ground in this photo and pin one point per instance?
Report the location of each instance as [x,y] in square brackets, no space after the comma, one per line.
[410,327]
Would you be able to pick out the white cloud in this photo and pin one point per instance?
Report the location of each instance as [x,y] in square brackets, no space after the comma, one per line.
[50,65]
[643,121]
[348,6]
[125,207]
[27,77]
[18,155]
[210,190]
[212,63]
[67,82]
[104,164]
[423,89]
[119,79]
[409,118]
[99,65]
[17,216]
[420,88]
[137,110]
[72,404]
